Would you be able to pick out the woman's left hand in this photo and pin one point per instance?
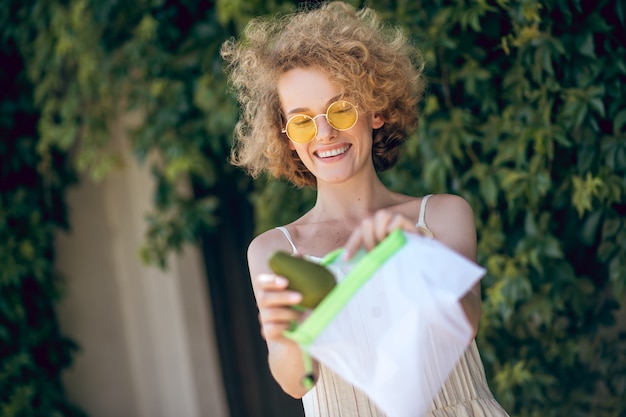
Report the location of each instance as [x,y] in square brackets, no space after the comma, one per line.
[374,229]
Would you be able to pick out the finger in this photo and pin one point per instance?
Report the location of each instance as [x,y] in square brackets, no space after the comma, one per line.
[401,222]
[268,282]
[352,244]
[368,234]
[282,298]
[274,331]
[382,220]
[271,282]
[276,320]
[278,315]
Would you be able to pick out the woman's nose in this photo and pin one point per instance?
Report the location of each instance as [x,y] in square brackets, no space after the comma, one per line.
[325,131]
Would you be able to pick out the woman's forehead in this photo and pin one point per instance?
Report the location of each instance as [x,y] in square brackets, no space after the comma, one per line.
[306,88]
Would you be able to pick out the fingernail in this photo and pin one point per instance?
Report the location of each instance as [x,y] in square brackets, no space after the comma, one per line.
[265,278]
[269,278]
[280,280]
[295,297]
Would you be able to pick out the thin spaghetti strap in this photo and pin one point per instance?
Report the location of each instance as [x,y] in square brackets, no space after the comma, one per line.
[421,222]
[288,236]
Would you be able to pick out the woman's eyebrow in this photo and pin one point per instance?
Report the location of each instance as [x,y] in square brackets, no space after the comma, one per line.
[297,110]
[333,99]
[305,109]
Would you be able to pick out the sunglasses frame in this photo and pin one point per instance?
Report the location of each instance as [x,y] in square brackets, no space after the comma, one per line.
[284,130]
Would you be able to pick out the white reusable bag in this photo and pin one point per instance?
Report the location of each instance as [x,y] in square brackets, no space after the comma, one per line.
[394,327]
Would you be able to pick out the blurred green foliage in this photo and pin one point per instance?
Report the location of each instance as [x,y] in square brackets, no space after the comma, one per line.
[33,352]
[525,117]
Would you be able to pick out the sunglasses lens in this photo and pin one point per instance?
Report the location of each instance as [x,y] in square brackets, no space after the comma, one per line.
[301,129]
[342,115]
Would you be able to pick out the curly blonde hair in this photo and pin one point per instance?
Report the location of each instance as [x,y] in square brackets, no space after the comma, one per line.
[374,62]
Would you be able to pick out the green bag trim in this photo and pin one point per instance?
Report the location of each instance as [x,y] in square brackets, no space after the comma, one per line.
[308,380]
[339,296]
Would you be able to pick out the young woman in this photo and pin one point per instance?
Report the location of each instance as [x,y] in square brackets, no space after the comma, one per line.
[328,96]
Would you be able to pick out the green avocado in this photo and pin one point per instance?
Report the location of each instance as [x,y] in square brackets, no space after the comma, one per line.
[308,278]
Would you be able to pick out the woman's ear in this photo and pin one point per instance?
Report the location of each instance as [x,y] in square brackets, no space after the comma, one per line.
[291,145]
[377,121]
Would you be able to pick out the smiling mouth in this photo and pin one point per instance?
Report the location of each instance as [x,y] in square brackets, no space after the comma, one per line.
[332,152]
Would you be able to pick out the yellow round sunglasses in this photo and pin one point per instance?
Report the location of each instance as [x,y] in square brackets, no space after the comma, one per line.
[301,128]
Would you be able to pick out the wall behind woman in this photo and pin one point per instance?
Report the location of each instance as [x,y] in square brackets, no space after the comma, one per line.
[146,335]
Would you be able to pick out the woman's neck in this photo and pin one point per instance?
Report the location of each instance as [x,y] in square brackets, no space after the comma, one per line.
[352,200]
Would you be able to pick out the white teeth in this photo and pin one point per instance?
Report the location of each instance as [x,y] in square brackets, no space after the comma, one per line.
[332,152]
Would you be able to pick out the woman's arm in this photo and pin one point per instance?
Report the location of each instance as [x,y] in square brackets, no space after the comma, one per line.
[451,220]
[274,302]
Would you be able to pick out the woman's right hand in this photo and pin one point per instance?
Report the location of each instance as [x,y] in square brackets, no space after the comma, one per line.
[275,304]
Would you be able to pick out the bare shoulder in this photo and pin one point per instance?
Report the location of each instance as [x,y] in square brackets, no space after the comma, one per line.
[447,205]
[262,246]
[451,219]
